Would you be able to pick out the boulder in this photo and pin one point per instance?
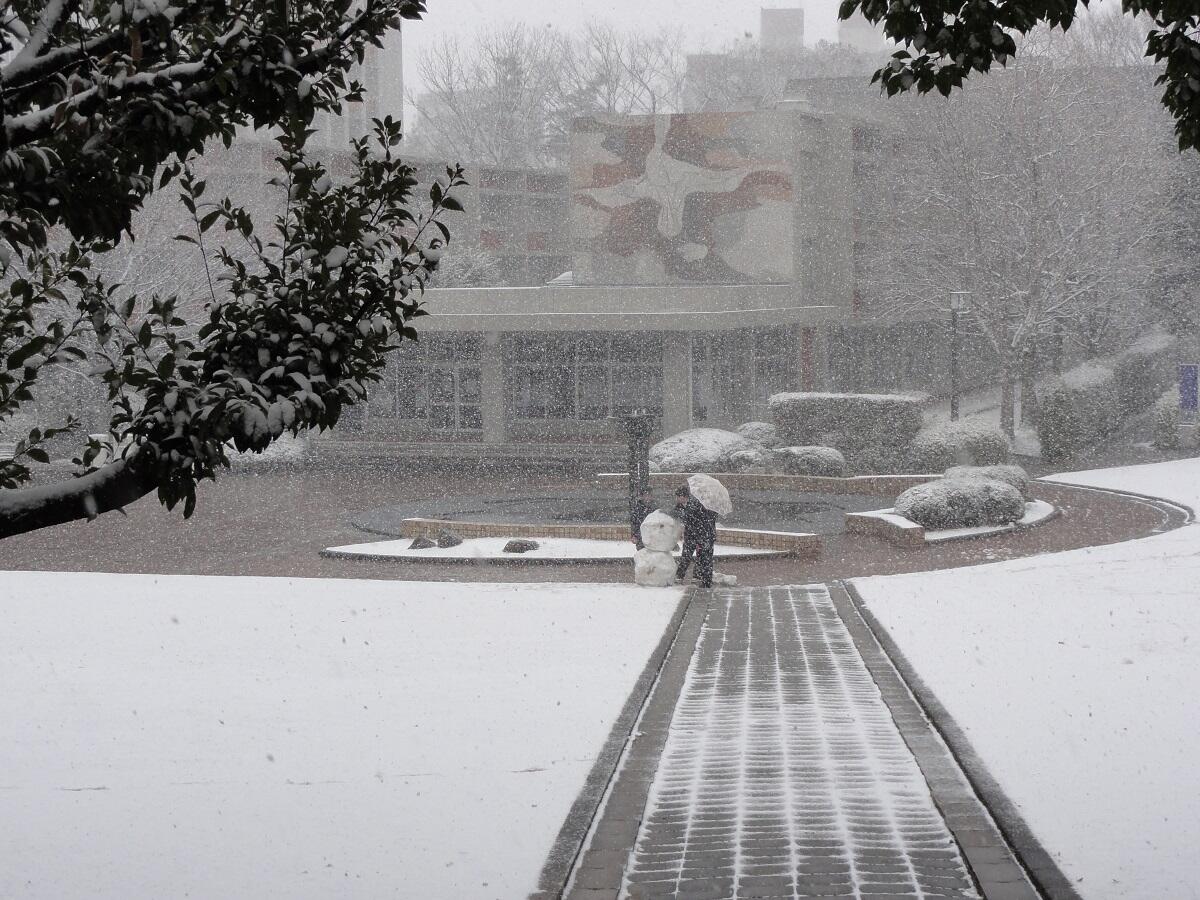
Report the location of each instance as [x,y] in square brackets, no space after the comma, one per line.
[653,568]
[448,538]
[520,545]
[661,532]
[698,450]
[422,543]
[961,503]
[761,433]
[823,461]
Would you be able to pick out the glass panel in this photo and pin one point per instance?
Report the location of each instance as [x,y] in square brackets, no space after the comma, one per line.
[441,416]
[468,386]
[441,386]
[593,393]
[469,417]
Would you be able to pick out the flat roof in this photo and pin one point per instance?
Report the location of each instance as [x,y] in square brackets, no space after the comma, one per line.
[612,307]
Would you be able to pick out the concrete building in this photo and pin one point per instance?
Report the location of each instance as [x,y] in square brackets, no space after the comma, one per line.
[708,253]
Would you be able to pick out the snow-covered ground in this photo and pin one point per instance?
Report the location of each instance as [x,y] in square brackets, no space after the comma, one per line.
[173,737]
[1076,677]
[493,548]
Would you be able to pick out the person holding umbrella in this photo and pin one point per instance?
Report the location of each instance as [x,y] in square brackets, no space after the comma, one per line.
[706,499]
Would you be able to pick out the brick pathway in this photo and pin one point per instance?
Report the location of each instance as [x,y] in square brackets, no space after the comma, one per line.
[782,774]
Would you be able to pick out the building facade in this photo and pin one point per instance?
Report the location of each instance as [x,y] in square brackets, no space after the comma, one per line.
[705,257]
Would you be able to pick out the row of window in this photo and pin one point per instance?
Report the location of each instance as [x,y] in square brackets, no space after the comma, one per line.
[571,377]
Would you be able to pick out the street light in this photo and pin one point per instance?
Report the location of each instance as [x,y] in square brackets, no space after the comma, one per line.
[638,425]
[958,303]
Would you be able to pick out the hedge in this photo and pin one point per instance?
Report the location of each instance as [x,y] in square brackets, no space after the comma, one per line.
[1144,370]
[967,442]
[1009,474]
[1167,420]
[822,461]
[1077,410]
[869,429]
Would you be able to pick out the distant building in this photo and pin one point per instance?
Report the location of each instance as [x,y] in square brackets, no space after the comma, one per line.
[519,218]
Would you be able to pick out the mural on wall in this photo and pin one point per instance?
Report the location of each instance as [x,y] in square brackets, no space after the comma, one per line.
[692,198]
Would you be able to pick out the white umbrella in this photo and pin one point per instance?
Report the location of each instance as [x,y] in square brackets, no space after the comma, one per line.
[711,494]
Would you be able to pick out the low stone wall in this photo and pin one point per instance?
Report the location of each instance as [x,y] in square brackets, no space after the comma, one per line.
[908,535]
[882,485]
[805,546]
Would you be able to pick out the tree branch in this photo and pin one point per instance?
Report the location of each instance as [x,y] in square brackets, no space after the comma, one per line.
[113,487]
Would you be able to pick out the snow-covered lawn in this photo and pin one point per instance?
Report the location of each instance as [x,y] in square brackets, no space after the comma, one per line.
[563,549]
[169,737]
[1076,676]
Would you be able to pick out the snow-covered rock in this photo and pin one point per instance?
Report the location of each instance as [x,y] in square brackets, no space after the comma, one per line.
[1010,474]
[961,503]
[750,461]
[822,461]
[661,532]
[698,450]
[967,442]
[653,568]
[761,433]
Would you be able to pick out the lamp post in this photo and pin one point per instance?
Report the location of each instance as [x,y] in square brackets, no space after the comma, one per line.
[638,424]
[958,302]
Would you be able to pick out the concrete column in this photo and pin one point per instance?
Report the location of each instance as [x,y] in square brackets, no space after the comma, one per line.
[491,377]
[677,382]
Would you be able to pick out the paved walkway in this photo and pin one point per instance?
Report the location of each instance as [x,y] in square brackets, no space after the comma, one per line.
[780,756]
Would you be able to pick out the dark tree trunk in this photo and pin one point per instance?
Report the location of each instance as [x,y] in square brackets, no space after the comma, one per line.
[113,487]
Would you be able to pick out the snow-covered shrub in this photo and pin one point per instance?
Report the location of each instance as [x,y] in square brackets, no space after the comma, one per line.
[967,442]
[1077,410]
[698,450]
[1144,370]
[961,503]
[823,461]
[1009,474]
[867,428]
[750,461]
[761,433]
[1166,420]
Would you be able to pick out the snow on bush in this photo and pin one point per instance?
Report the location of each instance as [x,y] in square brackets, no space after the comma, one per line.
[698,450]
[961,503]
[1077,410]
[762,433]
[1166,420]
[1144,370]
[867,428]
[967,442]
[823,461]
[750,461]
[1009,474]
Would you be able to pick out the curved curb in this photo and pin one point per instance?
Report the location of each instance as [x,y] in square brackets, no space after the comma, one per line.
[1040,865]
[1161,503]
[522,560]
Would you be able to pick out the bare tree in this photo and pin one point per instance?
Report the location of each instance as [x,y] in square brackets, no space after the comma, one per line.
[508,96]
[1041,192]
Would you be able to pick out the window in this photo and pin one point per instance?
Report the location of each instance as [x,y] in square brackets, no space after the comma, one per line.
[585,377]
[435,381]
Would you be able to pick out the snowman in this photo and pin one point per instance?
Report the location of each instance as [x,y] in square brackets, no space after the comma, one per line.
[653,565]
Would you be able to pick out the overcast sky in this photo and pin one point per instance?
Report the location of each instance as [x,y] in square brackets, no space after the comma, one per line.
[708,23]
